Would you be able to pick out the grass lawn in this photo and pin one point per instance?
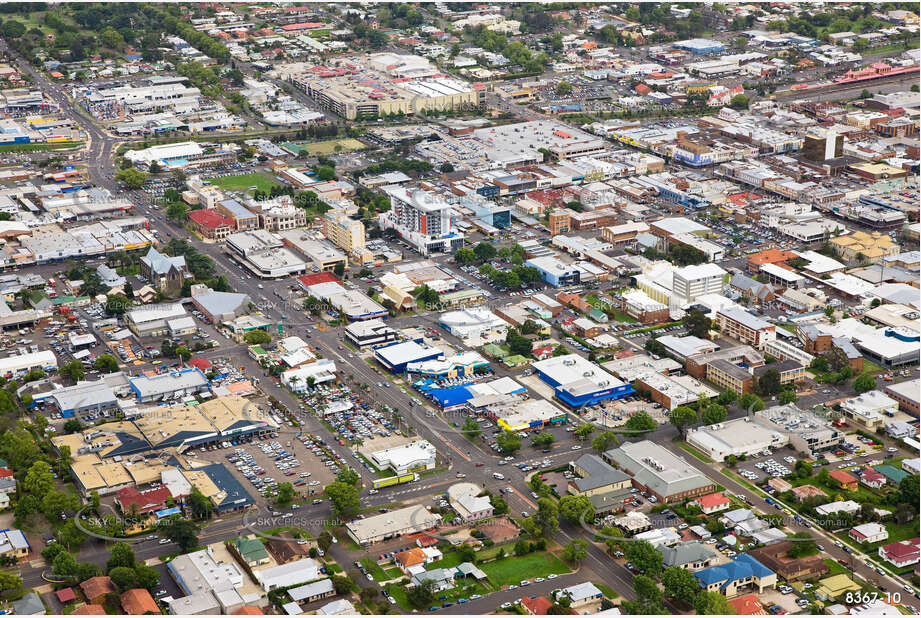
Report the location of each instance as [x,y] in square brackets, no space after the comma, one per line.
[326,147]
[449,559]
[399,594]
[695,452]
[871,367]
[788,327]
[39,147]
[607,590]
[512,570]
[376,571]
[834,568]
[244,182]
[620,316]
[393,573]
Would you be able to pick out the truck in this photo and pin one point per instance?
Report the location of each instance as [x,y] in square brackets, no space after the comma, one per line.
[399,479]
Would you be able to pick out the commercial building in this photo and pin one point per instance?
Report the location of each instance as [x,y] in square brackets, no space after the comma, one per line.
[14,366]
[370,333]
[907,394]
[745,327]
[729,376]
[869,409]
[352,304]
[671,391]
[512,414]
[660,472]
[320,254]
[343,231]
[473,322]
[300,378]
[685,347]
[554,271]
[176,385]
[410,457]
[396,356]
[606,487]
[422,219]
[152,320]
[263,254]
[288,574]
[578,382]
[390,525]
[84,397]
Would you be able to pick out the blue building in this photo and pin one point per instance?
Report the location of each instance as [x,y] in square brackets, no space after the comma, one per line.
[396,356]
[732,577]
[553,271]
[577,382]
[700,46]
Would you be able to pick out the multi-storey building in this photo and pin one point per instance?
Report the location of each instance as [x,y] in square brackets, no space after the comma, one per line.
[743,326]
[346,233]
[423,219]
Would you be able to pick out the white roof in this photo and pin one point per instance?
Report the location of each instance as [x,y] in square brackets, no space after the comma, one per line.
[290,574]
[44,358]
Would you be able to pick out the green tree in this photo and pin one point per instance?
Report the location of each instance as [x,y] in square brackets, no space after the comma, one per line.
[864,382]
[106,363]
[564,88]
[348,475]
[177,211]
[421,595]
[325,541]
[712,603]
[39,479]
[546,519]
[697,324]
[286,494]
[199,505]
[8,581]
[803,545]
[649,599]
[544,438]
[644,557]
[72,369]
[787,396]
[727,397]
[184,354]
[132,178]
[739,101]
[576,509]
[680,584]
[343,498]
[70,535]
[342,584]
[484,251]
[147,576]
[471,429]
[183,532]
[465,255]
[121,554]
[575,551]
[751,402]
[712,414]
[124,577]
[257,337]
[508,441]
[769,383]
[583,431]
[640,423]
[682,417]
[64,564]
[604,441]
[326,173]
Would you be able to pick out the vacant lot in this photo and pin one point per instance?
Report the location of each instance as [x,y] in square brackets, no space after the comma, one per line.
[327,147]
[514,569]
[244,182]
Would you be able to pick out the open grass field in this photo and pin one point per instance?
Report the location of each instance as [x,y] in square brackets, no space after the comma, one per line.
[244,182]
[514,569]
[327,147]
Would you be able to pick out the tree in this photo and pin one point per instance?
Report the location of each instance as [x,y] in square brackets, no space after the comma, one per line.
[124,578]
[739,101]
[769,383]
[499,505]
[326,173]
[644,557]
[576,509]
[132,178]
[712,603]
[199,505]
[864,382]
[751,402]
[72,426]
[803,468]
[184,354]
[517,343]
[286,494]
[544,438]
[183,532]
[13,29]
[564,88]
[147,576]
[471,429]
[86,570]
[640,423]
[64,564]
[712,414]
[604,441]
[682,417]
[70,535]
[8,581]
[508,441]
[342,584]
[546,519]
[72,369]
[787,396]
[257,337]
[575,551]
[106,363]
[465,255]
[909,490]
[120,555]
[697,323]
[348,475]
[727,397]
[649,598]
[421,595]
[583,431]
[680,584]
[177,211]
[484,251]
[325,541]
[39,479]
[803,545]
[343,497]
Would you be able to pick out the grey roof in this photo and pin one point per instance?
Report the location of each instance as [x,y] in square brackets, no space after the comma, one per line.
[730,369]
[599,473]
[313,589]
[788,364]
[221,303]
[685,553]
[758,289]
[84,394]
[160,263]
[29,605]
[168,383]
[847,348]
[652,466]
[436,575]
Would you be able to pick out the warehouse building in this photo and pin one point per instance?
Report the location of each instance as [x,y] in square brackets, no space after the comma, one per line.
[173,385]
[512,414]
[24,363]
[396,356]
[370,333]
[660,472]
[410,457]
[578,382]
[151,320]
[83,398]
[391,525]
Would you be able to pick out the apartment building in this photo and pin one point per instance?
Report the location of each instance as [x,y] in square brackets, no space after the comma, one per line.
[343,231]
[744,327]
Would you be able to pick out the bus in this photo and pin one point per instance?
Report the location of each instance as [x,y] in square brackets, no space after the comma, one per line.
[409,477]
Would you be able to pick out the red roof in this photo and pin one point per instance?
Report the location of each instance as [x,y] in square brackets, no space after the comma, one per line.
[643,89]
[248,610]
[146,501]
[314,279]
[138,602]
[425,540]
[210,219]
[89,610]
[902,550]
[199,363]
[843,477]
[749,605]
[66,595]
[711,500]
[537,605]
[870,475]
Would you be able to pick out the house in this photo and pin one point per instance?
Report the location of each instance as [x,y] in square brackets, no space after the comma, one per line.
[416,557]
[840,506]
[29,605]
[165,273]
[776,558]
[871,532]
[96,588]
[313,591]
[804,492]
[835,586]
[893,475]
[443,578]
[285,549]
[844,480]
[901,553]
[748,605]
[711,503]
[92,609]
[339,607]
[580,594]
[536,606]
[66,595]
[872,479]
[250,552]
[138,602]
[739,574]
[690,555]
[13,544]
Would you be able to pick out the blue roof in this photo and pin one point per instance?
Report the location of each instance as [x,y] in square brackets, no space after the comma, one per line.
[453,396]
[167,512]
[741,567]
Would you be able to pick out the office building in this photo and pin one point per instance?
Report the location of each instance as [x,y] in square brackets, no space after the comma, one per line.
[578,382]
[422,219]
[660,472]
[745,327]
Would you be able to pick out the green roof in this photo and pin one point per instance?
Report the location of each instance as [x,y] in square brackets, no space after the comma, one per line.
[258,350]
[460,295]
[252,550]
[516,359]
[598,315]
[494,350]
[892,473]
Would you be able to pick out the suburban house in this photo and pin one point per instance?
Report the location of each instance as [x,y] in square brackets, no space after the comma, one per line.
[872,479]
[732,578]
[845,480]
[901,553]
[871,532]
[580,594]
[711,503]
[690,555]
[775,557]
